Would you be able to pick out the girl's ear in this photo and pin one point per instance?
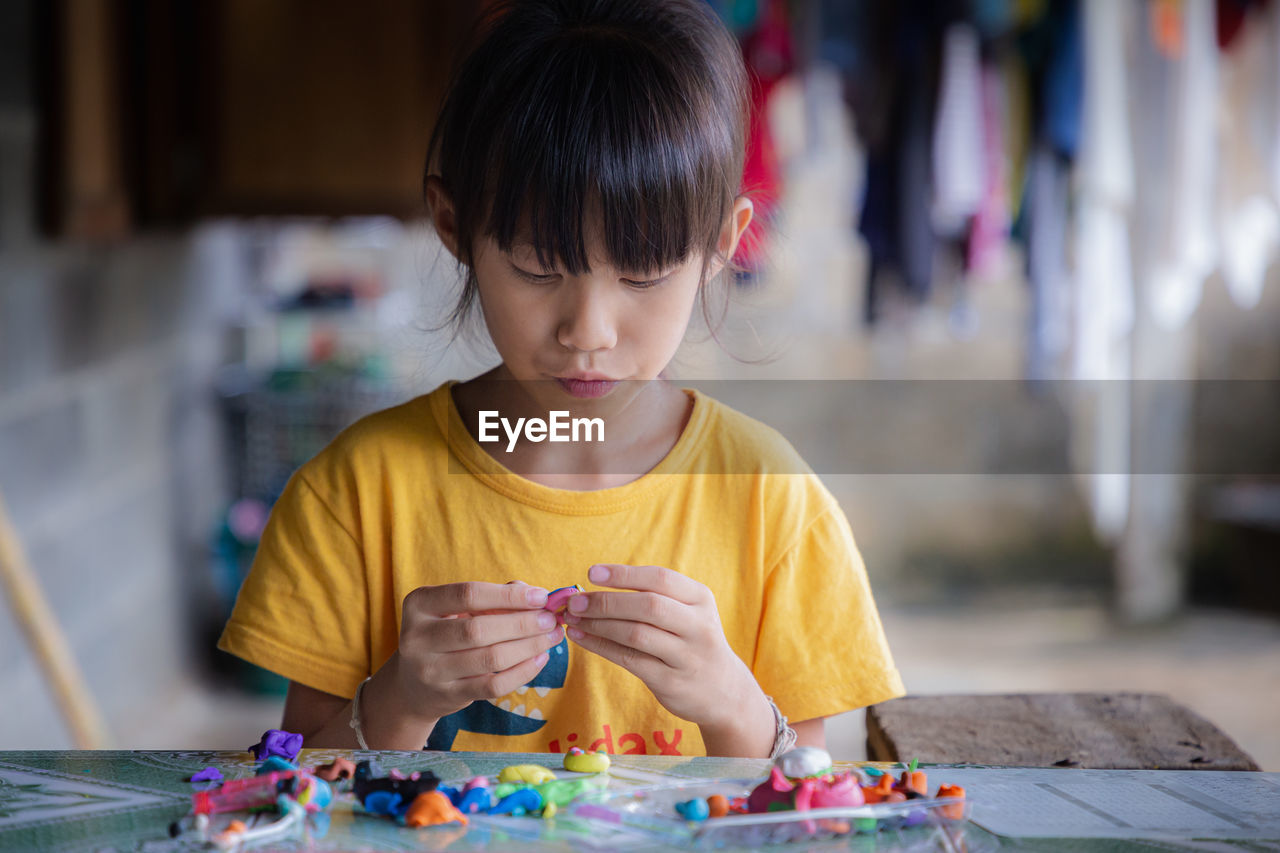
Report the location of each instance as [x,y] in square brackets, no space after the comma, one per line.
[440,208]
[731,233]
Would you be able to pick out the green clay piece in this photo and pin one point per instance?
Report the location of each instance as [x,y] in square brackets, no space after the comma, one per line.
[778,807]
[563,791]
[502,789]
[865,824]
[914,763]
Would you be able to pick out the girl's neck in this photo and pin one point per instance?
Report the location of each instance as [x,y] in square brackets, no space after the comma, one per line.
[642,423]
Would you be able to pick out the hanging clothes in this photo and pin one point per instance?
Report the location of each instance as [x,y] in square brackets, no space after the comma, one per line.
[1191,250]
[1103,318]
[1246,213]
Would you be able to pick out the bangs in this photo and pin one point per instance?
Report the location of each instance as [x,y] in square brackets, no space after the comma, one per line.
[611,160]
[561,133]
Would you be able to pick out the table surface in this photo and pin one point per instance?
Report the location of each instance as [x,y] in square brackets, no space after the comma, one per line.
[125,801]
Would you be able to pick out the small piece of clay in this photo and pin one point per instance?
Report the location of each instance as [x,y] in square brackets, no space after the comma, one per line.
[580,761]
[558,601]
[277,742]
[339,768]
[209,774]
[804,761]
[534,774]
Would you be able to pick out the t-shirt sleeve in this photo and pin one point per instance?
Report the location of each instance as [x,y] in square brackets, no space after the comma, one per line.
[291,616]
[821,647]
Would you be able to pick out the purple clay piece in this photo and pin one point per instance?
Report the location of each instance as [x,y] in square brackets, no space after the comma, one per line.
[209,774]
[277,742]
[598,812]
[915,817]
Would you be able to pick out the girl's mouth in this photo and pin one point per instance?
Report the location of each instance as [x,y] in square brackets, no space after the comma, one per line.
[586,388]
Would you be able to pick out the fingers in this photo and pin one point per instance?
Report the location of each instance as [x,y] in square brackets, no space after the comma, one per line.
[657,579]
[472,632]
[494,684]
[470,597]
[654,642]
[649,607]
[644,666]
[499,656]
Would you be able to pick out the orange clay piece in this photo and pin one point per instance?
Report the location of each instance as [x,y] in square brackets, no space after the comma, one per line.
[914,780]
[956,810]
[882,788]
[339,768]
[717,805]
[432,808]
[236,826]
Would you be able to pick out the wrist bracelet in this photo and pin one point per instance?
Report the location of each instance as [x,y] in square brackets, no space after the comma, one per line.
[355,715]
[784,738]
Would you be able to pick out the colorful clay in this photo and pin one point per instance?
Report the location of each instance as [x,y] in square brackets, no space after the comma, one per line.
[209,774]
[277,742]
[804,761]
[693,809]
[581,761]
[339,768]
[475,800]
[391,795]
[717,805]
[431,809]
[956,810]
[534,774]
[522,801]
[558,601]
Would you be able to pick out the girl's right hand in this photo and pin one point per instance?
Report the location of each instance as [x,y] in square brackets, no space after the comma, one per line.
[460,642]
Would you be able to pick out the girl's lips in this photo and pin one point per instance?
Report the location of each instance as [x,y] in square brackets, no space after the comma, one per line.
[587,388]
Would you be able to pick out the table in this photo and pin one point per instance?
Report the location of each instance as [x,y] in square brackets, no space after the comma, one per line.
[125,800]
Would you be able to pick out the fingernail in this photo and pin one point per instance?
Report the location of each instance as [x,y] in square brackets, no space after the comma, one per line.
[555,636]
[572,619]
[543,658]
[598,574]
[546,621]
[577,604]
[535,596]
[575,634]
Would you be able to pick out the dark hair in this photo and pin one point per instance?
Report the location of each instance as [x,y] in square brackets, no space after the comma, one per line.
[629,115]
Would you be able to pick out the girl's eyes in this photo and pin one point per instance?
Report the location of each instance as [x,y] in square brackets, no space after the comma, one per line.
[547,278]
[536,278]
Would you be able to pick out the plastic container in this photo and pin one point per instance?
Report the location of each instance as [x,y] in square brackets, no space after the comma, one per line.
[914,824]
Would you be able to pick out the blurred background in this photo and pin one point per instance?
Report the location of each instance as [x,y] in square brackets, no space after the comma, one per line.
[212,257]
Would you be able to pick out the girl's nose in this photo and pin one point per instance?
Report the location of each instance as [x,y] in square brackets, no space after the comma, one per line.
[588,323]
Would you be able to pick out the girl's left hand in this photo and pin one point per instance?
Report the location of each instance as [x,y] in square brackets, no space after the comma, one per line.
[665,629]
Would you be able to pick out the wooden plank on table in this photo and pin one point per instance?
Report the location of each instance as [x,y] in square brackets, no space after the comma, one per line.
[1134,731]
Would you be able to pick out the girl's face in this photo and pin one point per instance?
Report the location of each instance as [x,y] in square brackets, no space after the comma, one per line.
[583,332]
[578,336]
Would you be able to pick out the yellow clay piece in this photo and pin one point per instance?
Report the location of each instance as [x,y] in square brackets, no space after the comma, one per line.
[586,762]
[549,811]
[534,774]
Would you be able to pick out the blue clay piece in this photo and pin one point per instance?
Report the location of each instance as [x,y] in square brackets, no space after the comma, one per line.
[454,794]
[694,809]
[518,802]
[274,763]
[475,800]
[384,803]
[873,772]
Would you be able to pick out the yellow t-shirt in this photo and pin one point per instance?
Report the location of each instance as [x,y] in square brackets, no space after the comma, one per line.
[407,498]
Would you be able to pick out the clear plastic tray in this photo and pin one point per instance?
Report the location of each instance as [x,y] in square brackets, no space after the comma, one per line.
[653,810]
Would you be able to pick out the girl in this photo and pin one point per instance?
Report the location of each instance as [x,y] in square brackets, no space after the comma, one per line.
[585,173]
